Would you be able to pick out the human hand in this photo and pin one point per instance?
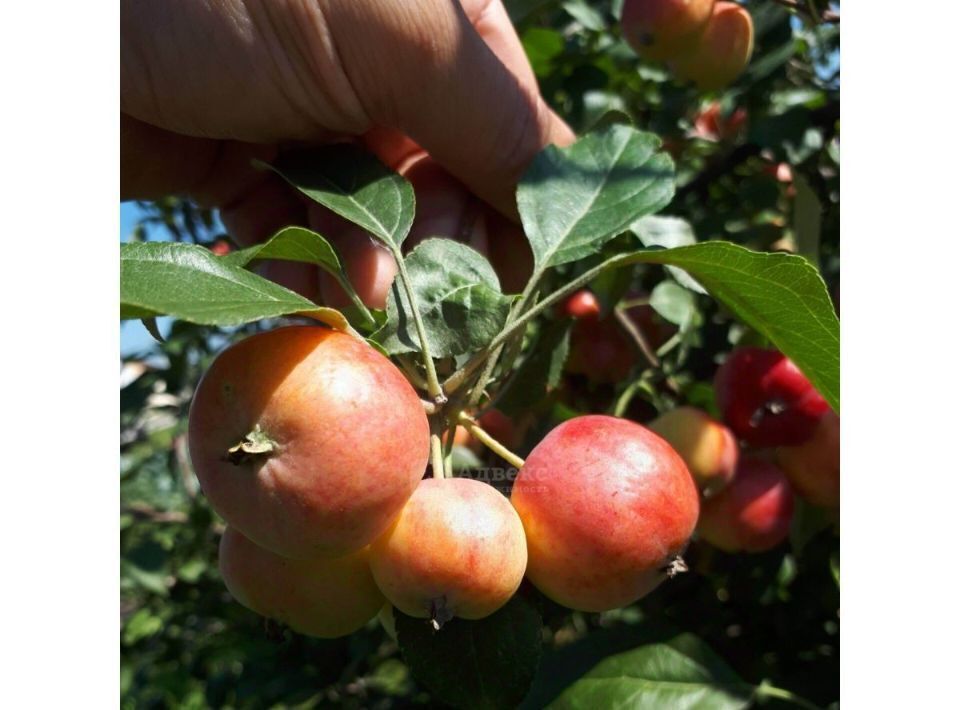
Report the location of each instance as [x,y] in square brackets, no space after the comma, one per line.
[206,87]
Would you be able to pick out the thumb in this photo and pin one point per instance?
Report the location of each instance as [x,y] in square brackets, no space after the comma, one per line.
[450,89]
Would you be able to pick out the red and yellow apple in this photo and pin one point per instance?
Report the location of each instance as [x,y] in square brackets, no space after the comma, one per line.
[457,550]
[707,447]
[307,440]
[753,513]
[608,507]
[327,597]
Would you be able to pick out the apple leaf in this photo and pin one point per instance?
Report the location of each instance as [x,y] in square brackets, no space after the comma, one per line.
[475,665]
[192,284]
[459,298]
[292,244]
[677,672]
[573,200]
[782,296]
[540,371]
[305,246]
[350,181]
[668,232]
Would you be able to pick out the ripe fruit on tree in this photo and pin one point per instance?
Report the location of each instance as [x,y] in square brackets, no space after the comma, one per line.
[221,247]
[581,304]
[765,398]
[753,513]
[711,124]
[723,50]
[813,467]
[327,597]
[664,29]
[457,550]
[708,447]
[601,350]
[307,440]
[608,507]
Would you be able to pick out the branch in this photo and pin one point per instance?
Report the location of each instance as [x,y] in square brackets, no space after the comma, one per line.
[638,338]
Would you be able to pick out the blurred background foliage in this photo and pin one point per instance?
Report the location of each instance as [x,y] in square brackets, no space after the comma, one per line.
[758,164]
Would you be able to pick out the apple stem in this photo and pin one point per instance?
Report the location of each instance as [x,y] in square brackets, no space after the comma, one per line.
[675,566]
[638,338]
[436,455]
[433,384]
[253,445]
[439,613]
[488,441]
[458,378]
[412,373]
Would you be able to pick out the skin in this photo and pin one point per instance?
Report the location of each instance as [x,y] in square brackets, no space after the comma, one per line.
[707,447]
[350,440]
[664,29]
[722,52]
[607,506]
[450,80]
[444,209]
[326,598]
[753,513]
[765,399]
[457,550]
[813,467]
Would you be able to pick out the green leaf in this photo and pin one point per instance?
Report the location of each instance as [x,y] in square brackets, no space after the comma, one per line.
[190,283]
[488,663]
[680,672]
[140,626]
[572,200]
[541,47]
[782,296]
[351,181]
[668,232]
[540,371]
[586,15]
[674,303]
[292,244]
[458,294]
[306,246]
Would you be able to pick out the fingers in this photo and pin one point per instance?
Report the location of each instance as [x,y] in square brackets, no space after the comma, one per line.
[444,206]
[256,216]
[509,252]
[449,90]
[155,162]
[369,265]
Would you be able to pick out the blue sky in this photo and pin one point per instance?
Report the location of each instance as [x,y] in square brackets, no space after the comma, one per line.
[133,336]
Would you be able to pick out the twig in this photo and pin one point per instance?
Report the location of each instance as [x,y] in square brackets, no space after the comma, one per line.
[484,438]
[143,511]
[634,332]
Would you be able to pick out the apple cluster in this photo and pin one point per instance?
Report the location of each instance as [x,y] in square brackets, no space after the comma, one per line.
[313,448]
[789,443]
[707,42]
